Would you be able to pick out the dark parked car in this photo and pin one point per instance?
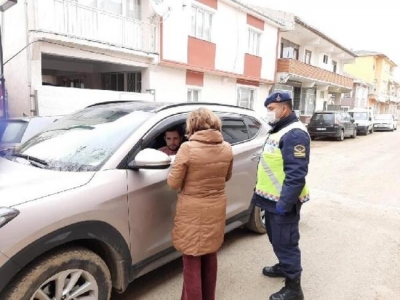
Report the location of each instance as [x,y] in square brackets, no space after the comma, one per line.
[332,124]
[16,131]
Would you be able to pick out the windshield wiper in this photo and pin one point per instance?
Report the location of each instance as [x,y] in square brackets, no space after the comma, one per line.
[31,158]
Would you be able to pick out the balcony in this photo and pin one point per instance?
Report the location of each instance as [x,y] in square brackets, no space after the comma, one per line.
[312,73]
[71,19]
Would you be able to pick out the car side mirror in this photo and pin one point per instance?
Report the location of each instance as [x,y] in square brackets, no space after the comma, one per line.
[370,119]
[150,159]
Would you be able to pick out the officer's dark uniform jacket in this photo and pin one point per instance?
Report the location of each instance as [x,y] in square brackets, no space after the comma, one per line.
[295,168]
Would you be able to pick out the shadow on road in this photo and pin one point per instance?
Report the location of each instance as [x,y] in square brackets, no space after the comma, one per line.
[163,275]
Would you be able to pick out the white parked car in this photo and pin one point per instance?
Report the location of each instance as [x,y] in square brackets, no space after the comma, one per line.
[364,119]
[385,122]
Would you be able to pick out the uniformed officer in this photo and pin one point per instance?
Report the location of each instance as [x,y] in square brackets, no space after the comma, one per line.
[281,189]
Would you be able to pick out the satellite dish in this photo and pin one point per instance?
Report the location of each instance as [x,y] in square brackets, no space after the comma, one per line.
[161,7]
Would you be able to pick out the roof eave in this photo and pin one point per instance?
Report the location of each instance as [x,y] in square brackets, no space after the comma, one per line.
[316,31]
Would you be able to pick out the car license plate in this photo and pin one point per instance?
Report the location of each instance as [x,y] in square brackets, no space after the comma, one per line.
[321,128]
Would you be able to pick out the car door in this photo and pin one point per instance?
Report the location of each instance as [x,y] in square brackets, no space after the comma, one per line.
[346,123]
[247,139]
[152,203]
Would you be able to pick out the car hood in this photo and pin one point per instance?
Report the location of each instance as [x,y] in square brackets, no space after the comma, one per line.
[21,183]
[383,122]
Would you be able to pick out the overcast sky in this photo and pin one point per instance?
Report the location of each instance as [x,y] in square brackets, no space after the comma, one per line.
[356,24]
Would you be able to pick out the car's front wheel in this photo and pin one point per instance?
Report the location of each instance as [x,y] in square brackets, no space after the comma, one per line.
[75,273]
[257,220]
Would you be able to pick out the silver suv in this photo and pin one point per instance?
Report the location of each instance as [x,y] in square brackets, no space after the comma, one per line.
[84,205]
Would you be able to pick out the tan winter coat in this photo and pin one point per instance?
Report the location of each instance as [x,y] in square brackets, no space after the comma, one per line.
[201,168]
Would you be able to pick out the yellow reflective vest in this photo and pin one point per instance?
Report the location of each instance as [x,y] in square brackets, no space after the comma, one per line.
[270,174]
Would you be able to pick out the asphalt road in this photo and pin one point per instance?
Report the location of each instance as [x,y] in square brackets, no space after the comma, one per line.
[350,233]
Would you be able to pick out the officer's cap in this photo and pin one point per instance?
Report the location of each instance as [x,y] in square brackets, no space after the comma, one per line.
[278,97]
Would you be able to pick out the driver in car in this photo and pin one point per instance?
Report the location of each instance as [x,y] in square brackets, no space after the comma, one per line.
[173,140]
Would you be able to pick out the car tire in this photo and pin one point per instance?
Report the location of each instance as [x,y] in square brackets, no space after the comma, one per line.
[78,264]
[257,221]
[355,134]
[341,137]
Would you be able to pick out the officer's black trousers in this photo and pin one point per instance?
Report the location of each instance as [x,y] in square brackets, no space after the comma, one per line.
[283,233]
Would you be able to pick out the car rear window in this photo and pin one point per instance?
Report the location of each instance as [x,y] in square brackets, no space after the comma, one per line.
[323,117]
[12,131]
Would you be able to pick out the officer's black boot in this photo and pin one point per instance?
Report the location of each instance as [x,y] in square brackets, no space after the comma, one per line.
[291,291]
[274,271]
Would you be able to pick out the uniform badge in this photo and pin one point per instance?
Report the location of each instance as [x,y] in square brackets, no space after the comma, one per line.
[278,97]
[299,151]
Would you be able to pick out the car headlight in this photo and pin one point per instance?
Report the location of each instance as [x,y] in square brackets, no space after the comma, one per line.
[7,214]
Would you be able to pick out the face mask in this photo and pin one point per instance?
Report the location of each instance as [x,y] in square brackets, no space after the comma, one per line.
[271,117]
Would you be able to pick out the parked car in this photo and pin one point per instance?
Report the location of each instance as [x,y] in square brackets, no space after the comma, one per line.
[15,131]
[364,120]
[385,122]
[85,206]
[332,124]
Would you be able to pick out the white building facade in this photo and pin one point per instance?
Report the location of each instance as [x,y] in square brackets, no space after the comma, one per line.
[63,55]
[310,66]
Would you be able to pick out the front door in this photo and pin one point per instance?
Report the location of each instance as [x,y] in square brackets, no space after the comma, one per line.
[152,203]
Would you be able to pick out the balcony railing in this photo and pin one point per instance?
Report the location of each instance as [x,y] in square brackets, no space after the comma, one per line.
[71,19]
[295,67]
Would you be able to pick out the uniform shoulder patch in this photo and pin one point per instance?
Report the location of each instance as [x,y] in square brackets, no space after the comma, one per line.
[299,151]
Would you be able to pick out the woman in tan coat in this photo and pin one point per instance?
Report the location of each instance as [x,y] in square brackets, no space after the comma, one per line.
[201,168]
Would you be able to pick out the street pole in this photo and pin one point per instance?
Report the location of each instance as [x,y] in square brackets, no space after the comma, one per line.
[4,5]
[2,81]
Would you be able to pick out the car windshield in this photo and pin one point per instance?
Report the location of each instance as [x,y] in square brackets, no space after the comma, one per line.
[84,140]
[323,118]
[383,117]
[359,115]
[11,131]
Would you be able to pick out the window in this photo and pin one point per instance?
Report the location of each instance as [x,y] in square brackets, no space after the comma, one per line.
[325,59]
[133,9]
[113,81]
[254,42]
[307,57]
[201,24]
[334,66]
[113,6]
[128,82]
[193,95]
[246,97]
[253,126]
[289,49]
[234,131]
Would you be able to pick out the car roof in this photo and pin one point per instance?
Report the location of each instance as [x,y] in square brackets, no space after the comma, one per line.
[156,107]
[327,112]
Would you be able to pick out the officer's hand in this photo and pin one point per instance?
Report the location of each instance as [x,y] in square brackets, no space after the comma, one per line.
[280,210]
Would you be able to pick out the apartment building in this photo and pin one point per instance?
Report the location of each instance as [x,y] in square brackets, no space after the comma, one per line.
[377,70]
[65,54]
[311,67]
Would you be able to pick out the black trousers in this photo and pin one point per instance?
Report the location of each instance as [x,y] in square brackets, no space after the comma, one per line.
[283,233]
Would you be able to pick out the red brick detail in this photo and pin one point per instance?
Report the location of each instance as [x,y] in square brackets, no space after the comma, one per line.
[247,82]
[194,78]
[210,3]
[255,22]
[299,68]
[201,53]
[252,65]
